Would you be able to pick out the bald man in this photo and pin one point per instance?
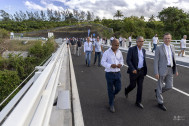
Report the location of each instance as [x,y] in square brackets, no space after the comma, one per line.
[112,60]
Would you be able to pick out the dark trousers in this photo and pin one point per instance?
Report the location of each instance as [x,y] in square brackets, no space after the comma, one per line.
[113,85]
[120,42]
[154,47]
[129,44]
[97,54]
[136,79]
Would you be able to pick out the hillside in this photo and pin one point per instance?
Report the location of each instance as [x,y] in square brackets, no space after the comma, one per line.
[80,30]
[15,45]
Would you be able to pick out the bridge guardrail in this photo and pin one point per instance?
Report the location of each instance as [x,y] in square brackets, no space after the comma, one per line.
[34,108]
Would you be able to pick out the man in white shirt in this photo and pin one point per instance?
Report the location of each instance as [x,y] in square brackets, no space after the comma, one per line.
[120,41]
[164,68]
[88,48]
[130,41]
[98,49]
[155,41]
[183,45]
[112,60]
[111,39]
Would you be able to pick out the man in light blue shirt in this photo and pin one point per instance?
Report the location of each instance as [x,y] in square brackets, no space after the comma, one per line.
[137,69]
[88,48]
[97,46]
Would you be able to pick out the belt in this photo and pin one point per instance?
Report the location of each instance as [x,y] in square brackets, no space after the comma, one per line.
[113,72]
[168,65]
[140,68]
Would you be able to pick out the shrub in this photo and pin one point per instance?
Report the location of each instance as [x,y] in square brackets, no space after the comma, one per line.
[9,80]
[4,34]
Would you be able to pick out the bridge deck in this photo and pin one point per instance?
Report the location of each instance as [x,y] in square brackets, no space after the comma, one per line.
[94,99]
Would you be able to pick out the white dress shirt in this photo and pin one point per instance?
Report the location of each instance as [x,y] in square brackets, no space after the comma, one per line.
[130,40]
[155,40]
[112,38]
[109,58]
[140,58]
[120,39]
[88,46]
[169,55]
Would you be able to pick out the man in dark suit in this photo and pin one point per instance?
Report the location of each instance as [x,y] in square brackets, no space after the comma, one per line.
[136,60]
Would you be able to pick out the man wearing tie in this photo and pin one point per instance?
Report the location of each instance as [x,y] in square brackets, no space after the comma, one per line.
[136,60]
[164,68]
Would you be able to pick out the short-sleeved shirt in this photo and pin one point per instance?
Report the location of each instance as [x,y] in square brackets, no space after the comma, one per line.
[97,46]
[88,46]
[183,43]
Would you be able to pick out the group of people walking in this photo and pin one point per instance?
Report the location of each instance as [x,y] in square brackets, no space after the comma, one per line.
[164,68]
[112,59]
[123,41]
[96,48]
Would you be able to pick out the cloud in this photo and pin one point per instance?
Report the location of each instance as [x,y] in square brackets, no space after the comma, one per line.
[107,8]
[31,5]
[44,6]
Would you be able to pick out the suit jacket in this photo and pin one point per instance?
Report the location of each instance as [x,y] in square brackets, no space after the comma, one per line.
[132,60]
[160,60]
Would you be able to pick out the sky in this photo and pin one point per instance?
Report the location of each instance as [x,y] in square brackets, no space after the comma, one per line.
[102,8]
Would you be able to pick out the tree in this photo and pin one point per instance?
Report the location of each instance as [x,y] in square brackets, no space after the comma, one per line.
[97,19]
[142,18]
[118,14]
[89,16]
[57,16]
[30,16]
[175,21]
[22,15]
[76,14]
[82,16]
[4,15]
[43,16]
[152,18]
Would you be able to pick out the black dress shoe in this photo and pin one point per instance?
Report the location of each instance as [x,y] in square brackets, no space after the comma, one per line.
[112,109]
[161,106]
[155,90]
[139,105]
[126,94]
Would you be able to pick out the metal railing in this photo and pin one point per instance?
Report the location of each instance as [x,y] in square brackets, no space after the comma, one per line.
[148,45]
[35,107]
[29,38]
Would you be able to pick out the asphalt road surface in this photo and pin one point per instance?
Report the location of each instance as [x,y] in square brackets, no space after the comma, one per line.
[93,95]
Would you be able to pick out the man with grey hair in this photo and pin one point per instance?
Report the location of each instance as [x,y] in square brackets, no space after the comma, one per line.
[164,68]
[136,60]
[182,45]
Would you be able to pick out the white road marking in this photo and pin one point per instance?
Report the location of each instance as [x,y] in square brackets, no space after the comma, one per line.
[176,89]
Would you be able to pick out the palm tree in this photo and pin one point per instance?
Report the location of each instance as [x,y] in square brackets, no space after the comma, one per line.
[118,14]
[152,18]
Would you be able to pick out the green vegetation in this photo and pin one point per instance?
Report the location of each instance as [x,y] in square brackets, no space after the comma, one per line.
[171,19]
[16,68]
